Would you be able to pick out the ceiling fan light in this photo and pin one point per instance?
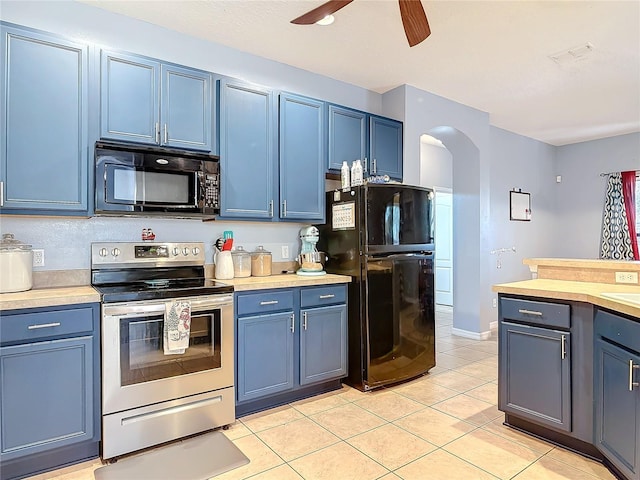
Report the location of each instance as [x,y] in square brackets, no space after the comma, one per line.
[327,20]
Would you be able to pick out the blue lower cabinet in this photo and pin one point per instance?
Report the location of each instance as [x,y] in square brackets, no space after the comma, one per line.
[285,351]
[265,355]
[49,389]
[617,392]
[535,374]
[323,344]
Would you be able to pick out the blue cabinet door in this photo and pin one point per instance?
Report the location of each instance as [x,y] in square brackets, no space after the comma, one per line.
[44,150]
[618,406]
[46,396]
[302,135]
[535,374]
[186,108]
[247,150]
[385,152]
[347,136]
[265,355]
[323,344]
[129,98]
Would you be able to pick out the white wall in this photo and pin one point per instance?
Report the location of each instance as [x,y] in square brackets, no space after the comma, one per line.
[520,162]
[436,164]
[581,194]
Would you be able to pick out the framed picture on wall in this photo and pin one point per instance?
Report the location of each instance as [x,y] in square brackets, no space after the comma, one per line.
[519,206]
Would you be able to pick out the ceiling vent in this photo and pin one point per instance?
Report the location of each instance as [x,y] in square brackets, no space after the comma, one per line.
[573,55]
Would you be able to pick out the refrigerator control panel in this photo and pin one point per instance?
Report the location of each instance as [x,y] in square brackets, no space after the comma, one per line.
[343,216]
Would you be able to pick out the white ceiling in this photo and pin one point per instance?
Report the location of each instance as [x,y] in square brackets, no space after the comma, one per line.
[490,55]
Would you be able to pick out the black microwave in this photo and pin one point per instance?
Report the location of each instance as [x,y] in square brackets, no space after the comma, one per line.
[138,180]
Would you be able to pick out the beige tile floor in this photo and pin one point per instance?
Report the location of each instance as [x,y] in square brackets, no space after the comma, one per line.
[443,425]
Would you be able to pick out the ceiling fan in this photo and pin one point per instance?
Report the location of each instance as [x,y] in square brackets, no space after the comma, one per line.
[414,20]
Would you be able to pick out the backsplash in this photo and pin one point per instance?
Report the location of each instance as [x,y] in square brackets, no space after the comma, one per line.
[67,241]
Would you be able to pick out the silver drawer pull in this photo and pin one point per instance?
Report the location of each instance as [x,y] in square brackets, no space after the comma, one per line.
[270,302]
[322,297]
[632,384]
[44,325]
[530,312]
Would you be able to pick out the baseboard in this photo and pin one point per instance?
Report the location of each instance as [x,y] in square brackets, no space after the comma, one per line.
[473,335]
[493,326]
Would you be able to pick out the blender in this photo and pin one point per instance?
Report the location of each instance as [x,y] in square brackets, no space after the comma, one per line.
[310,260]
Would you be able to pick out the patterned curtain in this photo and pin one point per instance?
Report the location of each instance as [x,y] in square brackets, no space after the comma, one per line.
[616,239]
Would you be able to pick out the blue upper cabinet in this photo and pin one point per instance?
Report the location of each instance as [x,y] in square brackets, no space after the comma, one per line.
[44,140]
[247,150]
[302,142]
[145,101]
[186,108]
[347,136]
[385,149]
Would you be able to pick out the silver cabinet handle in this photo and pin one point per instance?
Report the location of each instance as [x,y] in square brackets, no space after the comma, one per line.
[365,164]
[157,132]
[563,352]
[284,208]
[304,320]
[269,302]
[293,323]
[271,208]
[44,325]
[530,312]
[632,367]
[166,134]
[1,194]
[331,295]
[374,167]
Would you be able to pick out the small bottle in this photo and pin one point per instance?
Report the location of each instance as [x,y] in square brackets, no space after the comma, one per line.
[354,173]
[359,178]
[344,176]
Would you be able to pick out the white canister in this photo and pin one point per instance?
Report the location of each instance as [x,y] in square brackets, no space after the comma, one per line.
[224,265]
[16,265]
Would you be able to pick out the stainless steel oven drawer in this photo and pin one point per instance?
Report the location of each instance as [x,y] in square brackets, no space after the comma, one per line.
[125,432]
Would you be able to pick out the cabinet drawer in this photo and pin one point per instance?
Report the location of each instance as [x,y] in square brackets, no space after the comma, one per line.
[37,325]
[618,329]
[272,301]
[537,313]
[311,297]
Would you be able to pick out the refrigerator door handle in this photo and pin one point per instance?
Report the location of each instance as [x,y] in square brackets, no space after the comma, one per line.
[401,255]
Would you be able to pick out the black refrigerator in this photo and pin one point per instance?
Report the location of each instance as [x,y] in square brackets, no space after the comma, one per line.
[382,236]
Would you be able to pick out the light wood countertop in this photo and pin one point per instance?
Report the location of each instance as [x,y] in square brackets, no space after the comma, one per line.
[577,291]
[619,265]
[284,281]
[48,297]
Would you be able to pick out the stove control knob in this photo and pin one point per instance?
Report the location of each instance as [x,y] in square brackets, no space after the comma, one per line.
[103,252]
[115,252]
[175,251]
[195,250]
[185,251]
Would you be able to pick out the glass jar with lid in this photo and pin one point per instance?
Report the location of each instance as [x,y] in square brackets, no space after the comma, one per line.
[241,263]
[260,262]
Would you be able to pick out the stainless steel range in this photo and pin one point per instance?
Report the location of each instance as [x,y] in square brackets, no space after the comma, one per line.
[150,395]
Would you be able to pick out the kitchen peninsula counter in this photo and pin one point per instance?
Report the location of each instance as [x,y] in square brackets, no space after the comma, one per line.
[588,292]
[48,297]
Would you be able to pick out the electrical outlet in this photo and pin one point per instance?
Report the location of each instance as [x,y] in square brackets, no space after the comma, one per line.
[626,277]
[494,303]
[285,252]
[38,257]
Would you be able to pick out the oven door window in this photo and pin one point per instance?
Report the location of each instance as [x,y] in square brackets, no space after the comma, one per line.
[142,357]
[131,186]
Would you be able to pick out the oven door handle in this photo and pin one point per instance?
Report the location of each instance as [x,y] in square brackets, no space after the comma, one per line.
[141,308]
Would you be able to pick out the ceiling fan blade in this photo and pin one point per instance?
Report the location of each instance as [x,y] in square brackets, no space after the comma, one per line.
[414,20]
[320,12]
